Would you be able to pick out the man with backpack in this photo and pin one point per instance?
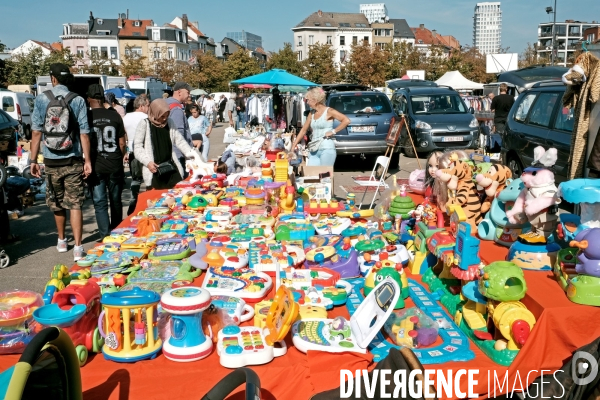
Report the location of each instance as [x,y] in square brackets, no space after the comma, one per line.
[59,119]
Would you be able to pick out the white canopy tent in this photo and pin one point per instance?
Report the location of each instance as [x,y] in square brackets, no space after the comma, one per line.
[457,81]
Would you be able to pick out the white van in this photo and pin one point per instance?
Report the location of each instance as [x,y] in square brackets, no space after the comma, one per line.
[151,87]
[20,107]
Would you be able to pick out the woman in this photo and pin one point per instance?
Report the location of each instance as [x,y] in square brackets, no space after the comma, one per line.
[153,147]
[200,128]
[321,146]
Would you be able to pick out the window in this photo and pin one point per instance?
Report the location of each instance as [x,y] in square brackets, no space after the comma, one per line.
[561,30]
[366,39]
[104,52]
[170,53]
[329,40]
[327,24]
[565,120]
[94,50]
[342,56]
[345,24]
[31,103]
[99,21]
[524,106]
[136,23]
[354,39]
[542,109]
[156,53]
[8,104]
[80,51]
[591,38]
[311,40]
[155,34]
[342,40]
[300,56]
[103,33]
[113,53]
[574,31]
[299,40]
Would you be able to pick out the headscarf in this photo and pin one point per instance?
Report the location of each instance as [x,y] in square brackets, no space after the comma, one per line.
[157,108]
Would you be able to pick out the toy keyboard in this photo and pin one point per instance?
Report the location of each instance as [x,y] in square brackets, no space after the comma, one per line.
[171,249]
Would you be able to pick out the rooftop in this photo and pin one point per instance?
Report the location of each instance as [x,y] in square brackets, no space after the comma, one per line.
[102,24]
[134,27]
[401,28]
[332,20]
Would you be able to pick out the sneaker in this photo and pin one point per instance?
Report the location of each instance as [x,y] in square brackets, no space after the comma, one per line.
[77,253]
[62,246]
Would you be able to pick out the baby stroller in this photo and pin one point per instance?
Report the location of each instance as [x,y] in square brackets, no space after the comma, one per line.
[49,369]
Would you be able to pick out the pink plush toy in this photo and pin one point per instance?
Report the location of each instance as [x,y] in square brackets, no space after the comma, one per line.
[538,199]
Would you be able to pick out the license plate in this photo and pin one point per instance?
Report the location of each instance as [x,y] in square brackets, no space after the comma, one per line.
[452,139]
[362,129]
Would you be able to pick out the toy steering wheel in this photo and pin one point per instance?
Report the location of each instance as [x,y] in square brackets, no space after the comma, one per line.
[320,254]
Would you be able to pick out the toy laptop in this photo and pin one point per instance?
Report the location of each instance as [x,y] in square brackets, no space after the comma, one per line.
[171,249]
[339,335]
[251,345]
[244,283]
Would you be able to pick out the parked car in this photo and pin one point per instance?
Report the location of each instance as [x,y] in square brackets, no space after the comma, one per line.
[20,107]
[437,118]
[525,78]
[538,118]
[370,114]
[404,83]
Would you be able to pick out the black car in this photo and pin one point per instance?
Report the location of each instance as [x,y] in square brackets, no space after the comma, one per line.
[525,78]
[437,117]
[538,118]
[404,83]
[8,127]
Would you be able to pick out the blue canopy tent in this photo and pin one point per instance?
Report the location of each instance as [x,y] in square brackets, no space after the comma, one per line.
[121,93]
[274,77]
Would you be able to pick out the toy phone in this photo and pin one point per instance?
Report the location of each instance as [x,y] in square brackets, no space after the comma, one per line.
[171,249]
[251,345]
[175,226]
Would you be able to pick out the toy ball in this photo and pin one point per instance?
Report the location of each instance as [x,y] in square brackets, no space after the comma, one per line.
[319,257]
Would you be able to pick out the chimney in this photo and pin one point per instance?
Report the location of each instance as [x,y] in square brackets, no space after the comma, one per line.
[184,21]
[91,16]
[433,32]
[421,26]
[320,13]
[128,13]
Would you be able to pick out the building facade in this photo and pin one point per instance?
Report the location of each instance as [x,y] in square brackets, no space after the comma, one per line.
[133,36]
[169,42]
[402,32]
[75,38]
[383,34]
[425,38]
[374,12]
[197,40]
[103,38]
[246,39]
[567,39]
[487,27]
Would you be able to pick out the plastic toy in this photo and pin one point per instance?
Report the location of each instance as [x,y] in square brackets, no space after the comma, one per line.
[416,181]
[156,211]
[292,231]
[245,236]
[236,309]
[355,233]
[128,325]
[454,346]
[239,346]
[372,251]
[387,269]
[267,171]
[422,260]
[332,253]
[308,311]
[254,195]
[164,271]
[217,215]
[428,213]
[179,228]
[281,167]
[466,254]
[538,200]
[17,326]
[138,243]
[340,335]
[171,249]
[115,238]
[75,310]
[352,211]
[287,196]
[584,287]
[412,328]
[495,225]
[197,203]
[263,256]
[244,282]
[401,205]
[586,193]
[493,182]
[214,180]
[321,297]
[537,257]
[186,341]
[304,278]
[332,225]
[324,207]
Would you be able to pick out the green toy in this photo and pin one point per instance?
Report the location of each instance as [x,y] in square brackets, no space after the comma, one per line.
[503,281]
[401,206]
[380,277]
[197,202]
[564,267]
[369,245]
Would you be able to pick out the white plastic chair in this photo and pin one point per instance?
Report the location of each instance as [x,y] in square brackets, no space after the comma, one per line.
[382,162]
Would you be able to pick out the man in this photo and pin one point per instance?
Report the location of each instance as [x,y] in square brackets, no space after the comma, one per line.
[65,168]
[131,122]
[501,105]
[108,149]
[491,95]
[221,108]
[241,111]
[181,92]
[232,110]
[209,109]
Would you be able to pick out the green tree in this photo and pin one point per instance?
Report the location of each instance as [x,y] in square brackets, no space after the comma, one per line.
[206,72]
[530,57]
[2,47]
[470,63]
[319,65]
[367,65]
[96,63]
[166,68]
[133,63]
[240,65]
[397,59]
[435,62]
[286,59]
[23,69]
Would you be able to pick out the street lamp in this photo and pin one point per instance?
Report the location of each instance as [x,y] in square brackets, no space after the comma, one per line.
[553,11]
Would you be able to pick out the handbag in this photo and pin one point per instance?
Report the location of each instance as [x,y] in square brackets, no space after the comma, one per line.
[165,168]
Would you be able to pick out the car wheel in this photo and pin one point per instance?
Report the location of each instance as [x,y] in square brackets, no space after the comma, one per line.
[515,166]
[409,152]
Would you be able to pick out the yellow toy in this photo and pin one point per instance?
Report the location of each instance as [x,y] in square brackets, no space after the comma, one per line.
[505,315]
[267,171]
[308,311]
[261,309]
[351,211]
[402,332]
[281,167]
[287,196]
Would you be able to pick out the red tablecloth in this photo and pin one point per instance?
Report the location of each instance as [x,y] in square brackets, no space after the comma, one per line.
[561,328]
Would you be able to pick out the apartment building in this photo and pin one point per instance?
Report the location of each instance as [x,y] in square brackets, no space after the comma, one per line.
[246,39]
[568,36]
[374,12]
[133,37]
[487,27]
[168,41]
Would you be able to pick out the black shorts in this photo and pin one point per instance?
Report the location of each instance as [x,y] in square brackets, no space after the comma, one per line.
[197,136]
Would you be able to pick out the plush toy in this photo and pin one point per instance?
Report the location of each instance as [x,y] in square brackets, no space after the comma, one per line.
[589,252]
[539,198]
[461,190]
[492,182]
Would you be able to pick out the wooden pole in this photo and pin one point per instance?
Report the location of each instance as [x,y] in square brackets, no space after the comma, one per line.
[411,141]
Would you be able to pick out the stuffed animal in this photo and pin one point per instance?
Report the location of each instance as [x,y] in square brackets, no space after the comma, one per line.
[539,199]
[461,190]
[589,252]
[492,182]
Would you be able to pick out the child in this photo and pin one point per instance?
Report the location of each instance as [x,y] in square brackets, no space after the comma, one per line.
[221,168]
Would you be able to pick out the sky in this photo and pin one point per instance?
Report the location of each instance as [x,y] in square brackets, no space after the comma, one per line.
[273,19]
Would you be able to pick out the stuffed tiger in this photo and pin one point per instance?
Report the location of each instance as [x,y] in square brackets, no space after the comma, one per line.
[461,190]
[493,182]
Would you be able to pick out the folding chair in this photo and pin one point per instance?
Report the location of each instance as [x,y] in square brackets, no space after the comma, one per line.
[383,162]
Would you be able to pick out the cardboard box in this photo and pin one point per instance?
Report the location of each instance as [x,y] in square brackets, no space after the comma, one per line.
[317,182]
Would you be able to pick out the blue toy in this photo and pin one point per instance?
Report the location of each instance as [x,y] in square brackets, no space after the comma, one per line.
[533,256]
[178,227]
[186,341]
[466,249]
[455,345]
[586,193]
[495,225]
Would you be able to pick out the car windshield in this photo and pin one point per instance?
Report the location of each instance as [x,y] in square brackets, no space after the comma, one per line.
[438,104]
[372,103]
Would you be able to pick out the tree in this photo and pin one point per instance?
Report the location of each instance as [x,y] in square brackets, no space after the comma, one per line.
[96,63]
[367,65]
[133,63]
[2,47]
[286,59]
[166,68]
[240,65]
[470,63]
[530,57]
[23,69]
[397,57]
[319,66]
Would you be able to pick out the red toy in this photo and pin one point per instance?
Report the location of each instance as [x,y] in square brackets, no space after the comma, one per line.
[214,180]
